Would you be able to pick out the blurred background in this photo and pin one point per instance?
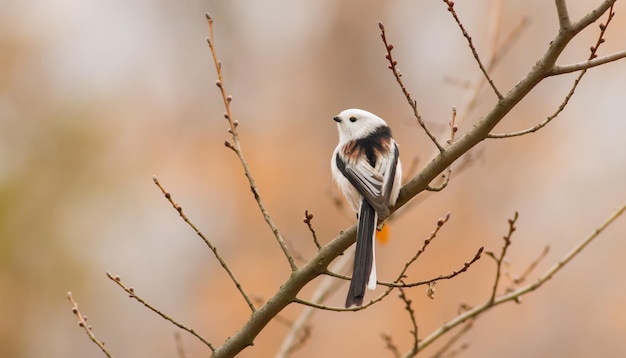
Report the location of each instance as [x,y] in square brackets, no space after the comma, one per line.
[98,96]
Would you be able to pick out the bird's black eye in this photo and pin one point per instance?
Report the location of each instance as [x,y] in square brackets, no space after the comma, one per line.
[352,119]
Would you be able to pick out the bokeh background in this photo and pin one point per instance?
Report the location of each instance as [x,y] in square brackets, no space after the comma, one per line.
[98,96]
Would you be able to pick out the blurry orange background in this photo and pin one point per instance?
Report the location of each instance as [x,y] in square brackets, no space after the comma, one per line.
[97,96]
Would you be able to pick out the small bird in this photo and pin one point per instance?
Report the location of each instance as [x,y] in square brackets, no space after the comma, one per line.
[367,169]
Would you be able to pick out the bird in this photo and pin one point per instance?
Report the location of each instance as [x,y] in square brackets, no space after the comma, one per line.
[367,169]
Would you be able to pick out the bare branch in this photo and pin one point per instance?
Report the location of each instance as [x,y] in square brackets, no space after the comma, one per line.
[559,70]
[569,95]
[472,48]
[446,177]
[213,248]
[132,294]
[308,218]
[592,16]
[236,147]
[500,259]
[455,273]
[82,322]
[495,56]
[396,73]
[409,309]
[561,10]
[515,295]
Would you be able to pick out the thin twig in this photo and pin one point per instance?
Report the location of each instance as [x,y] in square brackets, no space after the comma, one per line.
[132,294]
[500,259]
[396,73]
[409,309]
[219,258]
[82,322]
[555,70]
[473,48]
[440,223]
[495,56]
[308,218]
[236,147]
[446,176]
[466,266]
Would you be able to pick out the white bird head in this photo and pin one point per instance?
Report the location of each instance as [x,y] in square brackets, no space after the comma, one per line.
[356,123]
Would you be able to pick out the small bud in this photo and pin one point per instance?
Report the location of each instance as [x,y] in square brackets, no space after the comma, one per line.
[602,27]
[218,83]
[387,56]
[208,41]
[235,123]
[455,128]
[602,40]
[132,290]
[117,278]
[440,222]
[381,26]
[230,131]
[81,324]
[226,115]
[229,98]
[592,48]
[394,62]
[390,47]
[167,196]
[74,310]
[84,318]
[208,16]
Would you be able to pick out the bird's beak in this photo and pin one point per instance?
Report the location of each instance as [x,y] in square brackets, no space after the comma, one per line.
[337,119]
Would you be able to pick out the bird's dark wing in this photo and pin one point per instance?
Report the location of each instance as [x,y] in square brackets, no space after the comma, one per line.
[373,182]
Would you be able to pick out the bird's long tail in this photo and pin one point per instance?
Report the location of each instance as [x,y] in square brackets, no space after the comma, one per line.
[364,272]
